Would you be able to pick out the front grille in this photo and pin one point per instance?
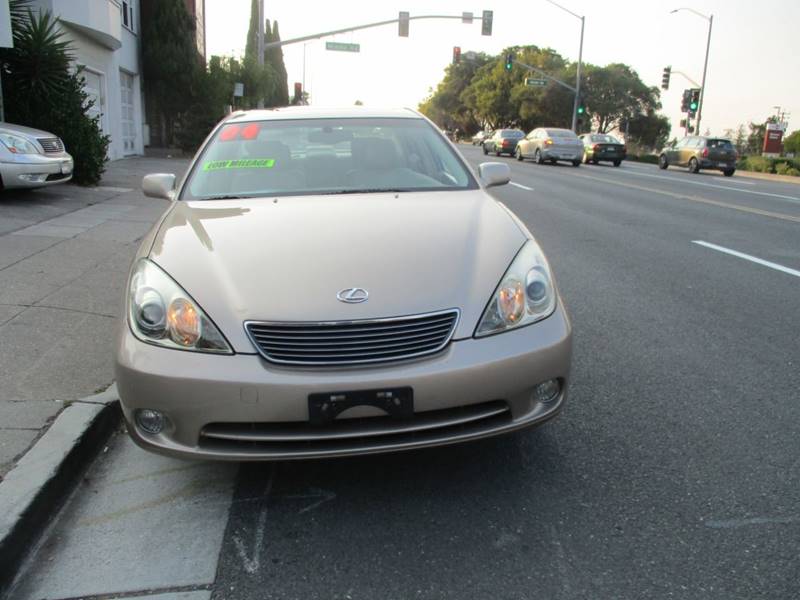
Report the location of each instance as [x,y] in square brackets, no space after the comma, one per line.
[51,145]
[353,342]
[356,434]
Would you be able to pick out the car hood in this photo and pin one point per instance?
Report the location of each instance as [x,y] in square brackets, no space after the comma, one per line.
[28,132]
[286,259]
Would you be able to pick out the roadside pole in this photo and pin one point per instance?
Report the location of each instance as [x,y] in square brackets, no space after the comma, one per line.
[578,81]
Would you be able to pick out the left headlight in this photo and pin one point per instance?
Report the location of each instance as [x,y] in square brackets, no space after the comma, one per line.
[17,144]
[160,312]
[525,295]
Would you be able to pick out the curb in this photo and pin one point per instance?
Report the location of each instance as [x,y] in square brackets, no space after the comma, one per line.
[42,479]
[768,176]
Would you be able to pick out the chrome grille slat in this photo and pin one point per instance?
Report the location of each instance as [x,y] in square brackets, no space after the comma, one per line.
[51,145]
[353,342]
[367,341]
[344,429]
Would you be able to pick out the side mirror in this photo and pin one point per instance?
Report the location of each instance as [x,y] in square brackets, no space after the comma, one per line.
[494,173]
[159,185]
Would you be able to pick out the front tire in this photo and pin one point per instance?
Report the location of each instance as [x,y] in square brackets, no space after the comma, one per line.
[485,151]
[617,163]
[663,163]
[576,163]
[518,153]
[694,166]
[538,157]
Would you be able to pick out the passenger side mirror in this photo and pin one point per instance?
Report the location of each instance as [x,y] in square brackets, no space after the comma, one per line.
[494,173]
[159,185]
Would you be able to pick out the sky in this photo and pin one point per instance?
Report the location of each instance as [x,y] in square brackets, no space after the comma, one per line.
[752,66]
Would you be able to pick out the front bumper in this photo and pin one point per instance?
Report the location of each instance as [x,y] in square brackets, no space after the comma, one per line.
[196,390]
[33,170]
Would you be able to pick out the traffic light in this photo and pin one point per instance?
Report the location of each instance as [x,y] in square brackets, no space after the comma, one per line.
[509,61]
[486,22]
[402,24]
[665,78]
[581,109]
[694,101]
[687,96]
[456,55]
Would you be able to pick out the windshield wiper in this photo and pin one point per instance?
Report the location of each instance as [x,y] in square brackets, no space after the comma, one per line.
[362,191]
[230,197]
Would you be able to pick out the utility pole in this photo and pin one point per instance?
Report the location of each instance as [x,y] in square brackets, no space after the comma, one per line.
[580,62]
[710,19]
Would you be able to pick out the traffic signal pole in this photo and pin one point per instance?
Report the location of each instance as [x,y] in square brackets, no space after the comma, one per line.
[703,83]
[578,81]
[315,36]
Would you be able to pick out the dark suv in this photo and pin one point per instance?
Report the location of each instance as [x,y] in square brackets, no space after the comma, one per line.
[697,152]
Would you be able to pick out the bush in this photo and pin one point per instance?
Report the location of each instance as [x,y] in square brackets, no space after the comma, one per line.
[785,168]
[40,91]
[762,164]
[644,158]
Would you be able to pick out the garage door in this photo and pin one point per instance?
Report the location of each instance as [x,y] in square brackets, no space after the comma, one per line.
[128,122]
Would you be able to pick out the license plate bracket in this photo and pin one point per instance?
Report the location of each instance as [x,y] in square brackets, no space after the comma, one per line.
[323,408]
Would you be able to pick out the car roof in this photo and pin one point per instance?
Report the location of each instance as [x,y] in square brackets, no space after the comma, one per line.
[557,129]
[316,112]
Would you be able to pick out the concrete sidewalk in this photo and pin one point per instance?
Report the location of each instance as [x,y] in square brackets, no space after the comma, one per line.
[64,257]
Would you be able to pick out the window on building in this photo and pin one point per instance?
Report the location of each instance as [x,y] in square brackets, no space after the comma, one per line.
[127,14]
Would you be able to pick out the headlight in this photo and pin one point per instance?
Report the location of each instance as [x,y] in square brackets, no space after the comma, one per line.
[525,294]
[161,313]
[17,144]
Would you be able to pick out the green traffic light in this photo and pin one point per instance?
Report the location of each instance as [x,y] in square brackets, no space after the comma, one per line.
[581,110]
[693,106]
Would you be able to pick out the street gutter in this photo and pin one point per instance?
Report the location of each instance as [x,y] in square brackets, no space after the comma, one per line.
[38,485]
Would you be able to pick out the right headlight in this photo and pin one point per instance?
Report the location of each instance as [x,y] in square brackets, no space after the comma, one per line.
[525,295]
[160,312]
[17,144]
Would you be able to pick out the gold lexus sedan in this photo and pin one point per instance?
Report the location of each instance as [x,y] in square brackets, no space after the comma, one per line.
[330,283]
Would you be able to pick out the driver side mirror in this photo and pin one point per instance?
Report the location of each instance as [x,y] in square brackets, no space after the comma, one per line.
[159,185]
[494,173]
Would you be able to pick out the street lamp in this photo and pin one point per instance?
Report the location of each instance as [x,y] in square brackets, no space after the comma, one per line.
[710,19]
[580,59]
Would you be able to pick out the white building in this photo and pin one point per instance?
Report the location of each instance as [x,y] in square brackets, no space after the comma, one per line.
[105,41]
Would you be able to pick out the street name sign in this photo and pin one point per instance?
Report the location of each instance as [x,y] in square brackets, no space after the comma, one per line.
[533,82]
[342,47]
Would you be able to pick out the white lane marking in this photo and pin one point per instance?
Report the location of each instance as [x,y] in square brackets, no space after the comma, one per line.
[519,185]
[759,261]
[711,185]
[252,564]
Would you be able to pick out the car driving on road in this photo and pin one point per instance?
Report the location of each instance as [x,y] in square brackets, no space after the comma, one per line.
[503,141]
[551,144]
[479,137]
[599,147]
[32,158]
[329,283]
[698,152]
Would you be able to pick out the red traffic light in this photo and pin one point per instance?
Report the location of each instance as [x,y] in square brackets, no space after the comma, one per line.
[456,54]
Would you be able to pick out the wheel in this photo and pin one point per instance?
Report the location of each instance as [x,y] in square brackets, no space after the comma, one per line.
[662,162]
[729,172]
[617,163]
[485,151]
[519,155]
[595,161]
[576,163]
[694,166]
[537,156]
[497,152]
[553,161]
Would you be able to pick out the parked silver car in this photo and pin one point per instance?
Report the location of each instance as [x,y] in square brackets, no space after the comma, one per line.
[329,283]
[31,158]
[551,144]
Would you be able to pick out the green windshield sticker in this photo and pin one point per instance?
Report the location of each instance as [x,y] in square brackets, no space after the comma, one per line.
[240,163]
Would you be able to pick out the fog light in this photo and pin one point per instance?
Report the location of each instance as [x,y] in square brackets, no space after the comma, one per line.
[33,177]
[547,391]
[150,421]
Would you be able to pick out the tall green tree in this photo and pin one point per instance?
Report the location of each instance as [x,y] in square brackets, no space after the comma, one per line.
[445,106]
[614,92]
[274,57]
[170,60]
[649,130]
[792,143]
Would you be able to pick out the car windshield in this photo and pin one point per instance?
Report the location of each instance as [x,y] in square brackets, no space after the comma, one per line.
[325,156]
[562,133]
[512,133]
[720,144]
[605,139]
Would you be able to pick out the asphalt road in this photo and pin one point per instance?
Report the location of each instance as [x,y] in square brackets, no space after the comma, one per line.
[674,471]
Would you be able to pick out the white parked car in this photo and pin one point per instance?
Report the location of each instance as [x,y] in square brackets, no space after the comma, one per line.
[31,158]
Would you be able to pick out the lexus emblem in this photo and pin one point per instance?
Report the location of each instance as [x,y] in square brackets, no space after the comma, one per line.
[353,295]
